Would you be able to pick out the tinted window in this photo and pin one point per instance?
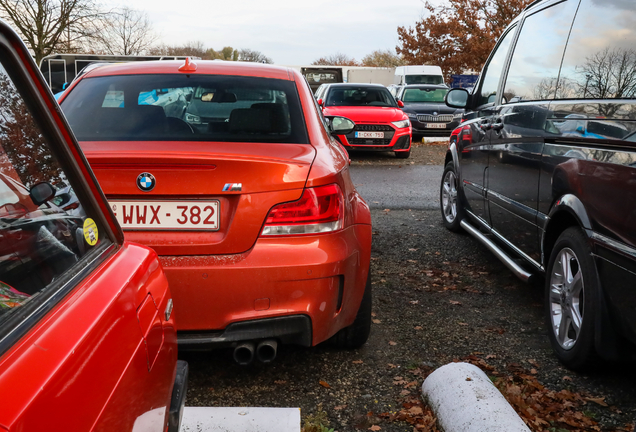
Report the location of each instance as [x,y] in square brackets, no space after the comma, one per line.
[534,68]
[600,59]
[492,72]
[423,79]
[360,96]
[424,95]
[39,240]
[185,108]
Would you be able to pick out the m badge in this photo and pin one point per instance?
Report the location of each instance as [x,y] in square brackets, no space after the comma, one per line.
[233,187]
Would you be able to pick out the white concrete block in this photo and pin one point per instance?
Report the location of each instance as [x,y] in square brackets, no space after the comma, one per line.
[230,419]
[465,400]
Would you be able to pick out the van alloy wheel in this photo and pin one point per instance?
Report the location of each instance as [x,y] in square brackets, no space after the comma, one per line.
[567,290]
[449,197]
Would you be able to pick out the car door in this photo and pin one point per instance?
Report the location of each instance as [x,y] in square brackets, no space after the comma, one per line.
[521,125]
[473,147]
[87,340]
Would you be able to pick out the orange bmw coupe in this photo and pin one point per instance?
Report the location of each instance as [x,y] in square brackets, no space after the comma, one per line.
[229,171]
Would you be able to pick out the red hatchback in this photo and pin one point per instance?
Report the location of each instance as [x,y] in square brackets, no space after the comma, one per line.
[87,336]
[380,123]
[229,172]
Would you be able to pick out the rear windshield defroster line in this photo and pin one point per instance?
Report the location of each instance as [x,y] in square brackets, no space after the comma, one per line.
[180,107]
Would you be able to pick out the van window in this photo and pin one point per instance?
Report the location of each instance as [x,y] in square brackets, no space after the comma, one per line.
[600,59]
[494,69]
[423,79]
[534,68]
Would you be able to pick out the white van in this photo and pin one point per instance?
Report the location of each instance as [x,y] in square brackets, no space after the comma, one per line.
[418,75]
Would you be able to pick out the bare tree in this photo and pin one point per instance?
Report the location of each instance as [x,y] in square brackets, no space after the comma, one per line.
[608,74]
[48,26]
[191,48]
[249,55]
[126,32]
[337,59]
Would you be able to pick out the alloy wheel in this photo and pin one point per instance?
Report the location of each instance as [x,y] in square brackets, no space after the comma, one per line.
[566,298]
[449,196]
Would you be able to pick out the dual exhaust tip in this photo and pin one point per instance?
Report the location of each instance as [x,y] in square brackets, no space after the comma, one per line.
[265,352]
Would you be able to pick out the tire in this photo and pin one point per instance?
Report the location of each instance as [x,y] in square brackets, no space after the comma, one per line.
[403,154]
[572,301]
[357,333]
[450,205]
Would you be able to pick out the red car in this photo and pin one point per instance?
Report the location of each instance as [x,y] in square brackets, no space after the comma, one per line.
[230,173]
[87,336]
[380,123]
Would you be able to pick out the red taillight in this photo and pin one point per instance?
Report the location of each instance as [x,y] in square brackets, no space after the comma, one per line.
[72,206]
[319,210]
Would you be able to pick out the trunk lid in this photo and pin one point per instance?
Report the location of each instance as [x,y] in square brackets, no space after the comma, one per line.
[198,174]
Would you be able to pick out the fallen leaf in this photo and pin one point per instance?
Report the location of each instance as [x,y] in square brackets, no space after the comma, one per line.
[376,321]
[600,401]
[392,343]
[567,378]
[469,379]
[453,302]
[357,362]
[391,365]
[415,410]
[417,327]
[280,382]
[412,261]
[375,428]
[490,356]
[339,407]
[414,302]
[412,249]
[533,371]
[405,392]
[463,324]
[324,384]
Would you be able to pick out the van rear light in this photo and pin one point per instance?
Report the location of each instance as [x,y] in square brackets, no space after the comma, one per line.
[319,210]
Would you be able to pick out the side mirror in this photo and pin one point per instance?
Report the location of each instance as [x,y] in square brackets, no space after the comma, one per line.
[457,98]
[41,193]
[340,125]
[400,103]
[320,103]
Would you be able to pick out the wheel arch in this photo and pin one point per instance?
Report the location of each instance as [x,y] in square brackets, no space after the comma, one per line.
[567,211]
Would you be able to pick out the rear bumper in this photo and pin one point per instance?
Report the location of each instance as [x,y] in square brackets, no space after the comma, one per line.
[294,329]
[177,401]
[321,277]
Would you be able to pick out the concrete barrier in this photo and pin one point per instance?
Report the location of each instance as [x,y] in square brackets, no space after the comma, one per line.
[465,400]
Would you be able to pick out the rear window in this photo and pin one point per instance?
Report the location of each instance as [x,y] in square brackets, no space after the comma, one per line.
[360,96]
[423,79]
[185,108]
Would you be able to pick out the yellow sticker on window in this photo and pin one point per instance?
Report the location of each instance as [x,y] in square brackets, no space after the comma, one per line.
[90,232]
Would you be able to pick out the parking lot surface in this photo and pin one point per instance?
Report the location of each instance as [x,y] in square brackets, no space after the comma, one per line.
[438,297]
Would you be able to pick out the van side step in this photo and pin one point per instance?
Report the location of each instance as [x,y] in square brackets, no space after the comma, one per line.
[499,253]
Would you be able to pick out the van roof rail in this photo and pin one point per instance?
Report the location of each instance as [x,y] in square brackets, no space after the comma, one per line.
[532,4]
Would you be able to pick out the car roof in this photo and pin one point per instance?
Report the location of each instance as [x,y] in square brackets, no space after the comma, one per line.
[203,67]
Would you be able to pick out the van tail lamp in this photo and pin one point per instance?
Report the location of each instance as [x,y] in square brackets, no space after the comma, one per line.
[188,66]
[319,210]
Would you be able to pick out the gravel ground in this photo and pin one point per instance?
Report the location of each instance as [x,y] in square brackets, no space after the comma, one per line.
[438,297]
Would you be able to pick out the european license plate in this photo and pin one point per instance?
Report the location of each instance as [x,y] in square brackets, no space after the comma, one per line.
[436,125]
[167,215]
[370,135]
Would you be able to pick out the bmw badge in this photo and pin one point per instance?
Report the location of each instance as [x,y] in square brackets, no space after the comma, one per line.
[146,182]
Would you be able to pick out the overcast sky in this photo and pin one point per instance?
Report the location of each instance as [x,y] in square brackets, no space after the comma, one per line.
[291,32]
